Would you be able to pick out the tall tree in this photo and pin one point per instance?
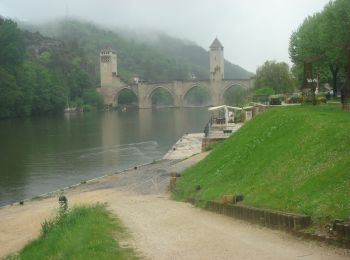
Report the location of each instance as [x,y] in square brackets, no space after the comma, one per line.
[275,75]
[324,40]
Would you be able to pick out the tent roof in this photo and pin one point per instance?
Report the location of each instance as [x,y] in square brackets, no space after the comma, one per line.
[223,107]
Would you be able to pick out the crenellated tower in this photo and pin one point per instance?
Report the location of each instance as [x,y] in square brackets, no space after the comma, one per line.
[108,67]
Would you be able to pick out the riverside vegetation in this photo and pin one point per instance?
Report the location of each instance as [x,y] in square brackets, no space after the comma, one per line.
[85,232]
[293,159]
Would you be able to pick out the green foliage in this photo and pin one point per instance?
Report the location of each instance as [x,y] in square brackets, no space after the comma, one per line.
[85,232]
[323,40]
[92,98]
[321,100]
[197,96]
[45,79]
[127,97]
[12,48]
[236,96]
[264,91]
[276,75]
[162,97]
[293,159]
[294,99]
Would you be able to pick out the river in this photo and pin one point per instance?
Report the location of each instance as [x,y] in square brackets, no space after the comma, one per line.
[42,154]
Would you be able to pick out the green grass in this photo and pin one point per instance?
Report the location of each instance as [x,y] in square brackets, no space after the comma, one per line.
[295,159]
[85,232]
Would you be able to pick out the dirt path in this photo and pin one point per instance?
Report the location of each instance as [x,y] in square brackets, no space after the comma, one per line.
[164,229]
[161,228]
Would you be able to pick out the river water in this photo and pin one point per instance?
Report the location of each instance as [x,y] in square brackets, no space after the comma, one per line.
[42,154]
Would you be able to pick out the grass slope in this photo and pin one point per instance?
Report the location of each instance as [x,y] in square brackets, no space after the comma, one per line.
[86,232]
[294,159]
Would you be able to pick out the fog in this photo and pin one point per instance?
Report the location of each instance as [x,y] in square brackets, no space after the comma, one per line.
[252,31]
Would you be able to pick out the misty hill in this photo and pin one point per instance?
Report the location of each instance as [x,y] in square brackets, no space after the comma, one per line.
[185,50]
[151,55]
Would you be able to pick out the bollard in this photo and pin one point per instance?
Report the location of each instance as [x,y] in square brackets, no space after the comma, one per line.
[63,203]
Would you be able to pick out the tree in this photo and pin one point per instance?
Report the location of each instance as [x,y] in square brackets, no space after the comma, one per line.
[275,75]
[236,96]
[12,47]
[324,41]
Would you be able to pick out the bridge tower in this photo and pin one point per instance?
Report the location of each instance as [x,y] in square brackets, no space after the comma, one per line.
[216,65]
[108,67]
[216,61]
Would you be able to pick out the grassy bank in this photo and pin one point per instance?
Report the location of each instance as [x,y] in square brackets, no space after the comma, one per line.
[86,232]
[294,159]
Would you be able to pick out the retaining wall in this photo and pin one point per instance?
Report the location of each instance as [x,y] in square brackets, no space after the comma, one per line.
[265,217]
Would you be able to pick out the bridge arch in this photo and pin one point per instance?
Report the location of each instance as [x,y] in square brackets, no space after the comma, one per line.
[235,94]
[161,96]
[197,95]
[126,96]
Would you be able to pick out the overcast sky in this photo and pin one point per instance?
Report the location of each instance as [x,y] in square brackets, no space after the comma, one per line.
[252,31]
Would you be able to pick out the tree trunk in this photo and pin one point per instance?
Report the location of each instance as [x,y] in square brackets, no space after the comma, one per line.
[346,91]
[334,69]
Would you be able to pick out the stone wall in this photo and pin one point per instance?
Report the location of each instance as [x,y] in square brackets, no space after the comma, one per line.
[264,217]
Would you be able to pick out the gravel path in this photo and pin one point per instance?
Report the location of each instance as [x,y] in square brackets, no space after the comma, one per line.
[162,228]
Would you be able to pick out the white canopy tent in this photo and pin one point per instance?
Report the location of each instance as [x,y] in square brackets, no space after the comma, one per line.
[226,110]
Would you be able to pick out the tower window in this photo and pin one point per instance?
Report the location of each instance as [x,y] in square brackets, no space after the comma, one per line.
[105,59]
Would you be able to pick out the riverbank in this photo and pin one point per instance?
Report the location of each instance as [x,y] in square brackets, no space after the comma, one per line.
[21,223]
[161,228]
[288,159]
[187,146]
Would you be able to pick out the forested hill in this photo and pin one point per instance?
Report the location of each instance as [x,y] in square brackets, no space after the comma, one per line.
[185,50]
[165,58]
[40,75]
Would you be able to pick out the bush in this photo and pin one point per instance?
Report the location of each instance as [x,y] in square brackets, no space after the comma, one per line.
[321,100]
[294,100]
[93,98]
[87,107]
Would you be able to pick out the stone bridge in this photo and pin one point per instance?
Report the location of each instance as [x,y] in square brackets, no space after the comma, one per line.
[179,90]
[216,86]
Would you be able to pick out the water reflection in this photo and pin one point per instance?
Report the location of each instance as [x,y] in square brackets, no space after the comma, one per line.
[39,155]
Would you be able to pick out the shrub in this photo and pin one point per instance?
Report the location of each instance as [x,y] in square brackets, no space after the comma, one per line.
[307,100]
[294,100]
[87,107]
[321,100]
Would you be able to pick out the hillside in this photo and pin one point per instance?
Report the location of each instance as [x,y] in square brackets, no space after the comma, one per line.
[40,75]
[165,58]
[185,50]
[294,159]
